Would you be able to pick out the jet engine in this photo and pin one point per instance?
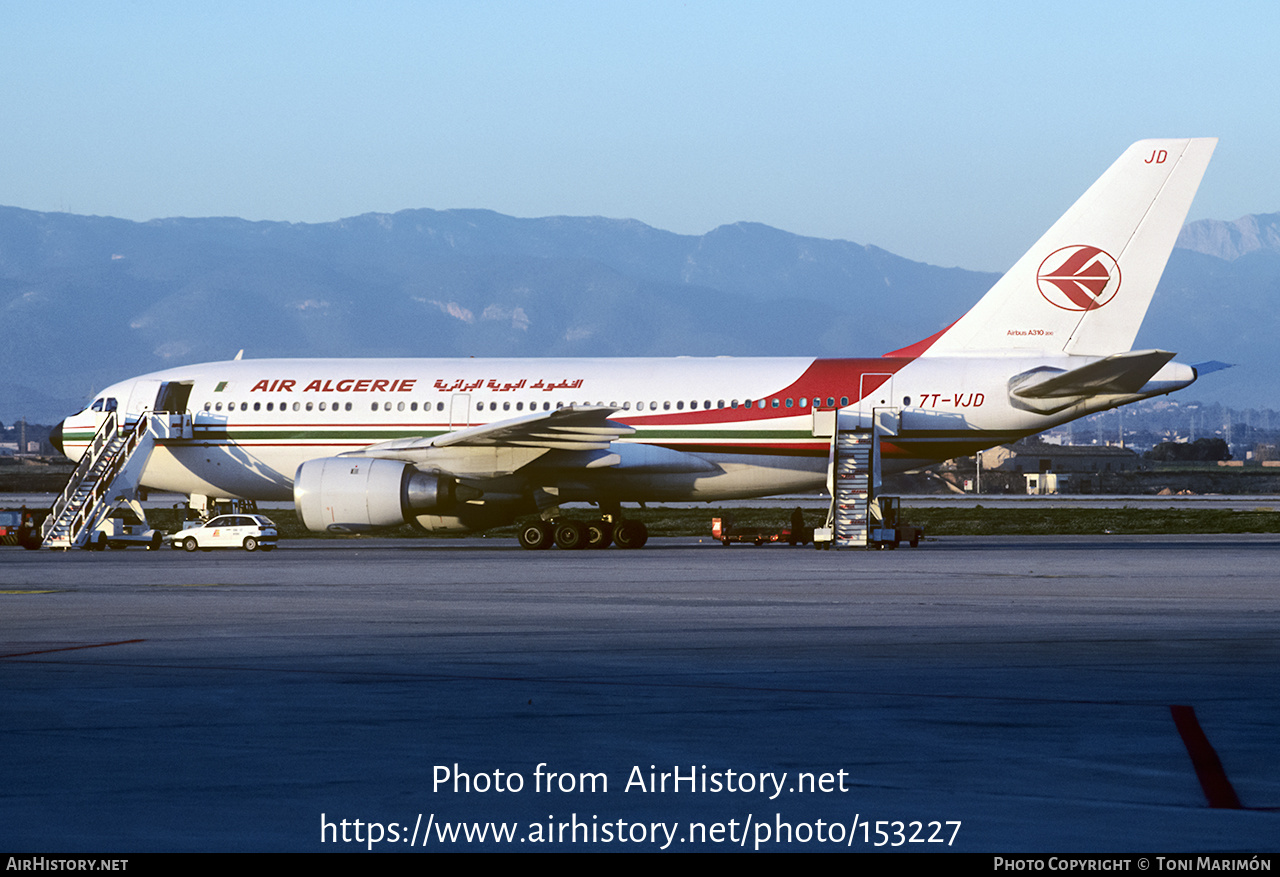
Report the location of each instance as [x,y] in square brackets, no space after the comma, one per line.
[355,494]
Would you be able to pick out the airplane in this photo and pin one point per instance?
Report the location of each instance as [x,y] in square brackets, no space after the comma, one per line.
[443,444]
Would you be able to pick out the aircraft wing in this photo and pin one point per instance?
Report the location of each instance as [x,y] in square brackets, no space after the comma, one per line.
[580,428]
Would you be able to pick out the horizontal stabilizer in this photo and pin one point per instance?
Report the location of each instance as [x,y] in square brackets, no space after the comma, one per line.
[1120,374]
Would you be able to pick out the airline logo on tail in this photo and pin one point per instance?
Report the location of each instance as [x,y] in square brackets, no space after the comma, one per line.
[1078,278]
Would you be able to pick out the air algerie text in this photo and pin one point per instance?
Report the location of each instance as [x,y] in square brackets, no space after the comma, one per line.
[347,385]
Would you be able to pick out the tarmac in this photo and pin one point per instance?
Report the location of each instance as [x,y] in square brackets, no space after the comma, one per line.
[996,695]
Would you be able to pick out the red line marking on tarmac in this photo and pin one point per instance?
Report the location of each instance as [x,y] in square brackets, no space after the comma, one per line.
[1213,779]
[123,642]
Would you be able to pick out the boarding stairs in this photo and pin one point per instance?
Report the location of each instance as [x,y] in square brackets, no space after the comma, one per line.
[853,461]
[110,470]
[853,474]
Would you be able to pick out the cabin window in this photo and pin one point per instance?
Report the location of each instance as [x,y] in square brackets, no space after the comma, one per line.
[206,407]
[321,406]
[831,401]
[506,406]
[493,406]
[439,406]
[666,406]
[296,406]
[906,401]
[680,405]
[308,406]
[519,406]
[773,403]
[257,406]
[399,406]
[844,400]
[217,407]
[348,406]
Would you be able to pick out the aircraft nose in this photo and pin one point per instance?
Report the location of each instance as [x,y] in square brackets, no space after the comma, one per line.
[55,438]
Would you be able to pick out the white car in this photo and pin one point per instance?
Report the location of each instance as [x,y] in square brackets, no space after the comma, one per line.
[249,532]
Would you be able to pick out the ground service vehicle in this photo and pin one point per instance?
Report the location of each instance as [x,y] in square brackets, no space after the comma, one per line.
[126,525]
[21,526]
[249,532]
[727,532]
[888,530]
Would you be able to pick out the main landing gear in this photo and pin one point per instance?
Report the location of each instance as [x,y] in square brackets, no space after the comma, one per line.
[572,535]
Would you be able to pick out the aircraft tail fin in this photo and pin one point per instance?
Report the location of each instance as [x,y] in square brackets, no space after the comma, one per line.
[1086,284]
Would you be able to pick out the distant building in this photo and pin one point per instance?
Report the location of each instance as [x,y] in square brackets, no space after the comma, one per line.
[1037,457]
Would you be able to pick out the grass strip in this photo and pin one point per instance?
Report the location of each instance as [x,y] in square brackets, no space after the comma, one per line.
[977,521]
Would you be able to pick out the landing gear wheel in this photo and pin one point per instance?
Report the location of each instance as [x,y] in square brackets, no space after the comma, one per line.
[250,544]
[599,534]
[631,534]
[571,535]
[536,536]
[189,545]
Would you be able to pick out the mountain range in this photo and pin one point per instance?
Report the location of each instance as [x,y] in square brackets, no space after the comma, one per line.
[88,300]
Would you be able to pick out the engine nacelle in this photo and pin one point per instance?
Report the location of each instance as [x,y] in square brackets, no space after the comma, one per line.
[355,494]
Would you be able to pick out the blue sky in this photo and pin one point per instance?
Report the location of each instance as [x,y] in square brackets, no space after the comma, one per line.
[953,134]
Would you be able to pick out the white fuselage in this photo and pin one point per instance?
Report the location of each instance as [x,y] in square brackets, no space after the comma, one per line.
[752,421]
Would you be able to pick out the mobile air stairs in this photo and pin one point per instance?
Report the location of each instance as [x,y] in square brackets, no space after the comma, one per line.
[853,475]
[108,474]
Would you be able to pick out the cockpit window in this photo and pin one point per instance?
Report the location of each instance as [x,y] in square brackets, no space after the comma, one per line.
[111,403]
[97,405]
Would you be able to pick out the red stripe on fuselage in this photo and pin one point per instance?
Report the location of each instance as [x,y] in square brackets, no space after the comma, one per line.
[823,379]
